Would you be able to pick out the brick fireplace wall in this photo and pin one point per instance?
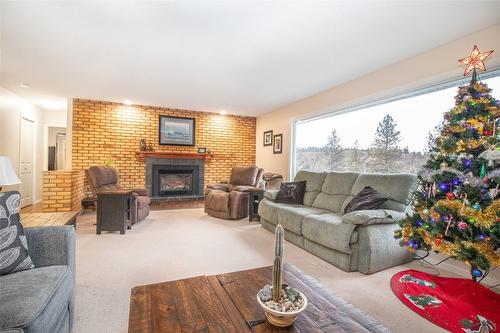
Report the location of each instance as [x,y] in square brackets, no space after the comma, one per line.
[112,131]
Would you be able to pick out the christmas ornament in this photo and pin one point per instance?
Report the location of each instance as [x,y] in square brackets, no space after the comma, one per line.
[487,132]
[443,186]
[461,225]
[443,165]
[475,60]
[467,163]
[476,206]
[482,173]
[438,241]
[450,196]
[456,181]
[476,272]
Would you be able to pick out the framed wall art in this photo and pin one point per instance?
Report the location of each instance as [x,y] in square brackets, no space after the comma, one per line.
[176,131]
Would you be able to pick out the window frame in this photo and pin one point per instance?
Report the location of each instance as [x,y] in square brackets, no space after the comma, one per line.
[412,93]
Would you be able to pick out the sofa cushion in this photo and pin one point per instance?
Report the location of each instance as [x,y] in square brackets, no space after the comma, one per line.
[336,188]
[244,176]
[329,230]
[34,299]
[314,182]
[290,216]
[269,210]
[396,187]
[291,192]
[376,216]
[102,175]
[14,255]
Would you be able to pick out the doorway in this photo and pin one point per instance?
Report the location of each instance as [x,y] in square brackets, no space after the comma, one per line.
[26,154]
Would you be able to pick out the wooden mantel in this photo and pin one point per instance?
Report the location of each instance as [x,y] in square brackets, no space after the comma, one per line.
[141,155]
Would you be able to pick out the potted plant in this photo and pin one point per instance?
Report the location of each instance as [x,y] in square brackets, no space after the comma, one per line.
[280,302]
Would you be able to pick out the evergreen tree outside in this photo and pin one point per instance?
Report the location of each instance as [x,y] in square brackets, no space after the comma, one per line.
[456,210]
[333,149]
[387,139]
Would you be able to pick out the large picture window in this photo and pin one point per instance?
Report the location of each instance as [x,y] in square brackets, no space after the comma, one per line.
[392,136]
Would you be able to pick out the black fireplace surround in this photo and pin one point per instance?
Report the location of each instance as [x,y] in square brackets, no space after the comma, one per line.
[172,178]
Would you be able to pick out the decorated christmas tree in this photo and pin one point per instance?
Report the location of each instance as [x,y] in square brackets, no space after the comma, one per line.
[456,209]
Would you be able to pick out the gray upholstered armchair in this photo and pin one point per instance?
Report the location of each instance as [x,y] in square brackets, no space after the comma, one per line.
[105,179]
[42,299]
[230,200]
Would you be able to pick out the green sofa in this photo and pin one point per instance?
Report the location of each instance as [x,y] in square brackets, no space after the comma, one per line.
[358,241]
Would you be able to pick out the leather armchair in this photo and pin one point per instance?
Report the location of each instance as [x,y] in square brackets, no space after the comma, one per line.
[105,179]
[230,200]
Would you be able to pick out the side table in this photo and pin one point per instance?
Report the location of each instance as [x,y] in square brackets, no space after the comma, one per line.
[256,195]
[113,211]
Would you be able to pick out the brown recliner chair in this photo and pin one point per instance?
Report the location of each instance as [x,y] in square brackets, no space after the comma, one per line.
[230,201]
[105,179]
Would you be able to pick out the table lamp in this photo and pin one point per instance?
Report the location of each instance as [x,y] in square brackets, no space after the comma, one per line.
[7,174]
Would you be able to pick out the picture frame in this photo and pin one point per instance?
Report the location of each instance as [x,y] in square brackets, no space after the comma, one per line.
[176,131]
[268,138]
[278,144]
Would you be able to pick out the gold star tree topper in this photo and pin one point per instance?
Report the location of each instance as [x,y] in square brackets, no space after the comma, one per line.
[475,60]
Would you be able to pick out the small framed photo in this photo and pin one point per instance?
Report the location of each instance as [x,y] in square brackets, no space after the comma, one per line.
[268,138]
[278,144]
[202,150]
[176,131]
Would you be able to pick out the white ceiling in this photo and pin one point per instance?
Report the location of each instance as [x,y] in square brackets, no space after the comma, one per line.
[244,57]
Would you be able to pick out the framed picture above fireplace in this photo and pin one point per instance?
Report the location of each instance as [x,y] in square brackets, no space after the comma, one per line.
[176,131]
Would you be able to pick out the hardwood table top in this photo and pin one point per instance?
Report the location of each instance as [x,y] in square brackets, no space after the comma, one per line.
[48,219]
[227,303]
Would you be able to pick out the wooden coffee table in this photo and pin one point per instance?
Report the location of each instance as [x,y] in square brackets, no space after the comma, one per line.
[227,303]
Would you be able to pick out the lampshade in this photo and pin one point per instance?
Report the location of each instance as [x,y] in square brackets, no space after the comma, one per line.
[7,174]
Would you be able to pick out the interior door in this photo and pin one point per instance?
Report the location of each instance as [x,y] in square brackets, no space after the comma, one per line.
[26,162]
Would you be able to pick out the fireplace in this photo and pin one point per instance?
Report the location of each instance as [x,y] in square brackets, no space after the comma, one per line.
[168,178]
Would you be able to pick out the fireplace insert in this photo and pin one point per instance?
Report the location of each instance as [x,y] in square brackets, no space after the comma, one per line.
[175,180]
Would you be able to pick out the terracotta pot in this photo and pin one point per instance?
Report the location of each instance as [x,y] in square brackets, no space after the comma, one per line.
[282,319]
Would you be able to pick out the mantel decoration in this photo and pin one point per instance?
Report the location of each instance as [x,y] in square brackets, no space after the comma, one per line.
[457,206]
[281,303]
[176,131]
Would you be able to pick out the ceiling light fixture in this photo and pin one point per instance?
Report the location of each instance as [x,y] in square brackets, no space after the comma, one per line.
[127,102]
[24,85]
[222,112]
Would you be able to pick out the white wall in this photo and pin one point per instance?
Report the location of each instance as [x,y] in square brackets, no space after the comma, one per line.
[429,68]
[12,109]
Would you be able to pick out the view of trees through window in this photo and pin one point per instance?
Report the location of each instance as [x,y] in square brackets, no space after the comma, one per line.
[390,137]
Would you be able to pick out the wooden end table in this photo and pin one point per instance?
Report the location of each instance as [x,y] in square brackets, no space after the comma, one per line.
[227,303]
[256,195]
[49,219]
[113,211]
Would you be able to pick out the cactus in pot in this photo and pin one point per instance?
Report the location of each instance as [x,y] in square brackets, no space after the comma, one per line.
[278,261]
[281,303]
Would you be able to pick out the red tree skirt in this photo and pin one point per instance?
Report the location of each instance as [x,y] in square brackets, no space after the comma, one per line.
[458,305]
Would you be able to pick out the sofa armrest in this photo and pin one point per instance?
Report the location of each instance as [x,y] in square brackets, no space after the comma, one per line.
[52,246]
[271,194]
[219,186]
[243,188]
[375,216]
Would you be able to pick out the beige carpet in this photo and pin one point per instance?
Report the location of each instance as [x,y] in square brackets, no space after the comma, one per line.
[175,244]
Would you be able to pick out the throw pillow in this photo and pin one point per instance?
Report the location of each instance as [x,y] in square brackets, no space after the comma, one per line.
[291,192]
[14,255]
[367,198]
